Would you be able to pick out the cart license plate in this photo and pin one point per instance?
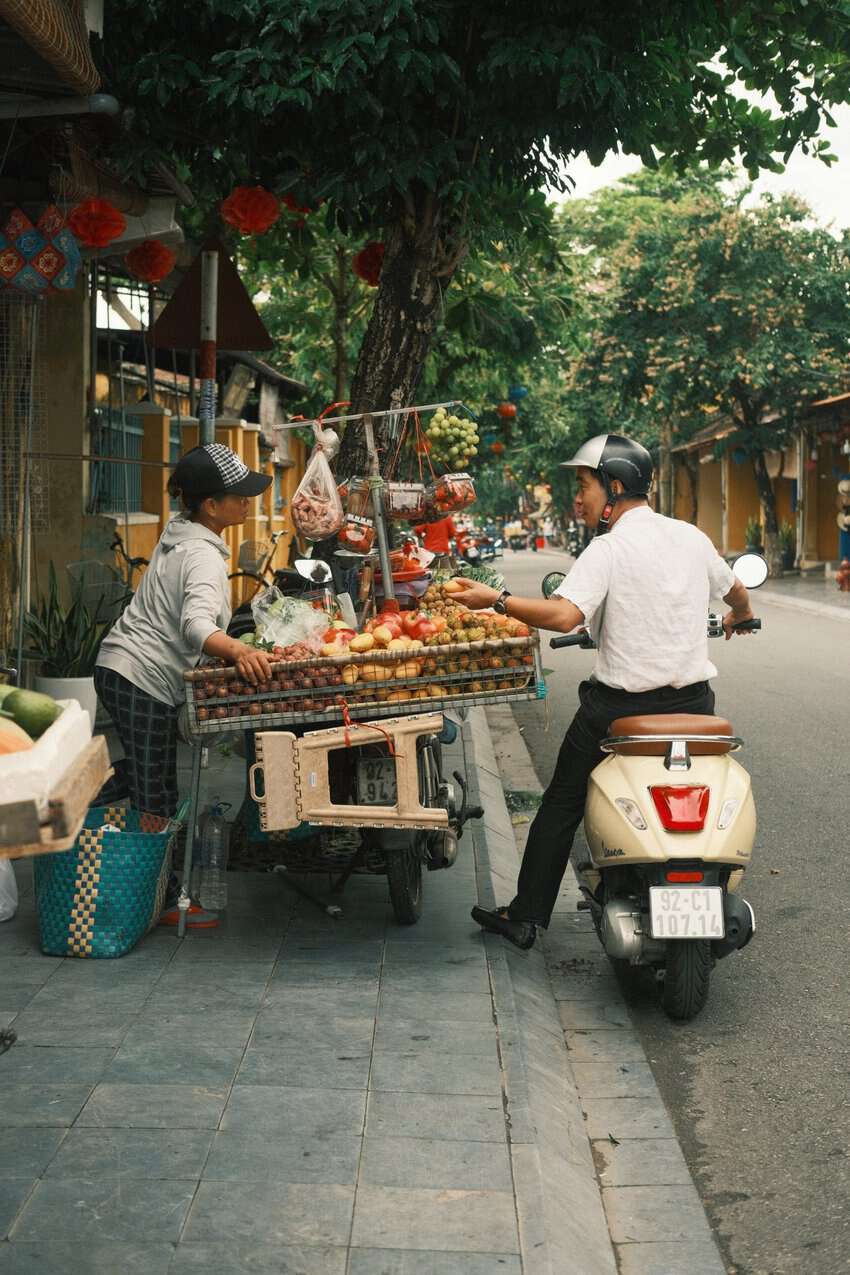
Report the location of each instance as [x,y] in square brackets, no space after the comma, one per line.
[678,912]
[376,781]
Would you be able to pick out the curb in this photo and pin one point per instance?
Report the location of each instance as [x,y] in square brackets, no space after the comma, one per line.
[562,1222]
[807,605]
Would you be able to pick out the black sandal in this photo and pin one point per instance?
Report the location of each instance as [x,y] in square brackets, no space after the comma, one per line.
[521,933]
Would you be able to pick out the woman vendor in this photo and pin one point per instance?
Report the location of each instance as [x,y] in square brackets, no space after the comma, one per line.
[180,612]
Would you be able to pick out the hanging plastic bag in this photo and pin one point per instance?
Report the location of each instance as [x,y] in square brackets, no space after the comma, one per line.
[316,506]
[8,891]
[284,621]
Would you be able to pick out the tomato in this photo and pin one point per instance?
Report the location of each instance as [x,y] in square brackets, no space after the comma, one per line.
[426,628]
[410,623]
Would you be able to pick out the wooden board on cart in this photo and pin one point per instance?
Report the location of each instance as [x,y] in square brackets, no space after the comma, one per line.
[22,834]
[296,782]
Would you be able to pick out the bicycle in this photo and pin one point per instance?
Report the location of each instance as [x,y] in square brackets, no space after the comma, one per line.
[129,564]
[255,563]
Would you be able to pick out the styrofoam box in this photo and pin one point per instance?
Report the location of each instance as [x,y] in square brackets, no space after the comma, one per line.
[35,773]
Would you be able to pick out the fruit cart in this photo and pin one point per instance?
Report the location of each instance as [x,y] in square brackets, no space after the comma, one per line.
[350,738]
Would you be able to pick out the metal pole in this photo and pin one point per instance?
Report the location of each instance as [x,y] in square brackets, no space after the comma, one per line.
[209,330]
[26,546]
[126,454]
[185,900]
[376,491]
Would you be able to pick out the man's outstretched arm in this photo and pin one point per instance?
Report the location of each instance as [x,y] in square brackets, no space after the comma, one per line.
[556,614]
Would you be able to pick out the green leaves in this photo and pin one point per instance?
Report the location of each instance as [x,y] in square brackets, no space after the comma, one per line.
[65,642]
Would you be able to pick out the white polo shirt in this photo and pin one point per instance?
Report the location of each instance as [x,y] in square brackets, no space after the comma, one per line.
[644,589]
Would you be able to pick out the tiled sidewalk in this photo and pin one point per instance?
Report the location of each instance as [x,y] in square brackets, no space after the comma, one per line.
[287,1094]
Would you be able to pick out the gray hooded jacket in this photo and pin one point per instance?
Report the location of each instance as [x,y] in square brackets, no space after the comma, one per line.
[184,596]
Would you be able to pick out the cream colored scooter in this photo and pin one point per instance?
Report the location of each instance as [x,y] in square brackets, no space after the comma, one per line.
[670,823]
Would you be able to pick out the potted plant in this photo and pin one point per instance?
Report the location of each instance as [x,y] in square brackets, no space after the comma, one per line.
[65,643]
[788,545]
[752,536]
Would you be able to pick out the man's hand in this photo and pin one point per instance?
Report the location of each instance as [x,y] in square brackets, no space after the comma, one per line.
[475,596]
[254,666]
[733,618]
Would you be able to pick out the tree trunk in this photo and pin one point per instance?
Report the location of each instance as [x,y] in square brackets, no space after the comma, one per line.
[665,470]
[418,264]
[767,500]
[692,470]
[341,297]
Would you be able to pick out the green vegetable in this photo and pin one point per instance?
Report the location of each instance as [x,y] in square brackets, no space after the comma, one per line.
[6,690]
[481,575]
[250,639]
[32,711]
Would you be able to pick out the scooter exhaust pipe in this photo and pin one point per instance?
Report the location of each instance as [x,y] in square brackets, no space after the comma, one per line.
[739,923]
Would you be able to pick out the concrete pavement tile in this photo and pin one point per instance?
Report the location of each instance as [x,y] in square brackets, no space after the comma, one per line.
[204,1002]
[698,1255]
[37,970]
[435,1163]
[208,945]
[640,1214]
[148,1057]
[54,1027]
[281,1109]
[403,1035]
[436,1073]
[439,980]
[342,952]
[373,1261]
[237,1212]
[459,1007]
[256,1259]
[604,1047]
[289,1065]
[444,1116]
[253,1156]
[131,1153]
[322,999]
[627,1118]
[113,1106]
[80,1209]
[54,1064]
[589,985]
[593,1015]
[455,956]
[191,1023]
[334,1033]
[17,995]
[25,1153]
[454,1221]
[50,1106]
[359,975]
[13,1193]
[6,1016]
[431,930]
[641,1162]
[58,1257]
[241,975]
[614,1080]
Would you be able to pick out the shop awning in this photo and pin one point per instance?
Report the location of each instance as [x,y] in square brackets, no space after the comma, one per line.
[44,47]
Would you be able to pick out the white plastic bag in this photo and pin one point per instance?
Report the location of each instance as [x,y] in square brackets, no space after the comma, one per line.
[8,891]
[284,621]
[316,506]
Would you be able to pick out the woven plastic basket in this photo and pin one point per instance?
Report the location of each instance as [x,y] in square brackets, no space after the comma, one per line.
[99,898]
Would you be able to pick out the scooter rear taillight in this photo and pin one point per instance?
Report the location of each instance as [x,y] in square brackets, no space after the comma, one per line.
[681,807]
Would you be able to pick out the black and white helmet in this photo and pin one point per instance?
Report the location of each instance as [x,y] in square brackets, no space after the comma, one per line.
[615,456]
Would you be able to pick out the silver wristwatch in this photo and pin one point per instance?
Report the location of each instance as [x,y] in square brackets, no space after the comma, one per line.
[501,603]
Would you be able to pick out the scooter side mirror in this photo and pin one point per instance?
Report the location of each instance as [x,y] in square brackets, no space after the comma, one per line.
[551,582]
[314,570]
[751,569]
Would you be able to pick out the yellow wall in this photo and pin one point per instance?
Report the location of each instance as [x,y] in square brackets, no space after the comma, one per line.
[682,499]
[742,502]
[709,510]
[827,513]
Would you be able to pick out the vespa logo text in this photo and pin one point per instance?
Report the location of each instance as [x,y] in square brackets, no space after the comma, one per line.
[609,853]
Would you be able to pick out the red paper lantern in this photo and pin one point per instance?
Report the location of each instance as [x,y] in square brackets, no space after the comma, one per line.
[368,263]
[289,201]
[498,448]
[507,411]
[251,209]
[96,222]
[150,261]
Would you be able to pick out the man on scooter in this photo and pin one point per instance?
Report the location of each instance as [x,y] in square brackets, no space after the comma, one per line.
[643,587]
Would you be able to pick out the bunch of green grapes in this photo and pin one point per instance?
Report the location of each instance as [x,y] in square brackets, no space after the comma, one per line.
[453,441]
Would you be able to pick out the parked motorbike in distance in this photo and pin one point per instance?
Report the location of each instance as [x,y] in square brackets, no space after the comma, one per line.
[670,823]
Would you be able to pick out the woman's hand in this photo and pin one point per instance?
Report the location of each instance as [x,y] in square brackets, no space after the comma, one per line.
[475,596]
[254,666]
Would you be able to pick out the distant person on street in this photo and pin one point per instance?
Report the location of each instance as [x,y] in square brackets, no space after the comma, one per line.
[643,586]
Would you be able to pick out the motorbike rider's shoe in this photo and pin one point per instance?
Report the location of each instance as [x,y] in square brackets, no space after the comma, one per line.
[499,921]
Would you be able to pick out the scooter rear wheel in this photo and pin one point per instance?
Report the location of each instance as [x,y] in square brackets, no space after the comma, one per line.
[686,978]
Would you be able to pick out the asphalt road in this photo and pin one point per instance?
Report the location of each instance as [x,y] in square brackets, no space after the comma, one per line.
[759,1084]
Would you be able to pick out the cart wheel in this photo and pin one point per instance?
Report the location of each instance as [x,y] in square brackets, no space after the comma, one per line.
[404,876]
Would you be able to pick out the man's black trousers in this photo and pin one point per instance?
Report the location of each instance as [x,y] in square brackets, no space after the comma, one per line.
[550,839]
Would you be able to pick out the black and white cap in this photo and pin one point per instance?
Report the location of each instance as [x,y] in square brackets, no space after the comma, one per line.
[615,456]
[213,470]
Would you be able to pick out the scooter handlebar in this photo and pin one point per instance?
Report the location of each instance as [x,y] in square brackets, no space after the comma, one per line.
[573,639]
[747,626]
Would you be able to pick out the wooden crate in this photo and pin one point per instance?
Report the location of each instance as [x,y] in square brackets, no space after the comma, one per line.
[23,833]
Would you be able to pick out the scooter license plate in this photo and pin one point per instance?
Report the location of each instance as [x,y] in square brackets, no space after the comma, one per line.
[376,781]
[682,912]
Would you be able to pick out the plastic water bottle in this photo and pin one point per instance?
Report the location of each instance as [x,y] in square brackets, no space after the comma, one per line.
[215,845]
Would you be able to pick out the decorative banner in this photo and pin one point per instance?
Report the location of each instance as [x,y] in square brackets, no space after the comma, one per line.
[150,261]
[96,222]
[40,258]
[368,263]
[251,209]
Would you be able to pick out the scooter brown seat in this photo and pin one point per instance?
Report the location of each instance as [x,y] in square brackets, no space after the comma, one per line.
[670,726]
